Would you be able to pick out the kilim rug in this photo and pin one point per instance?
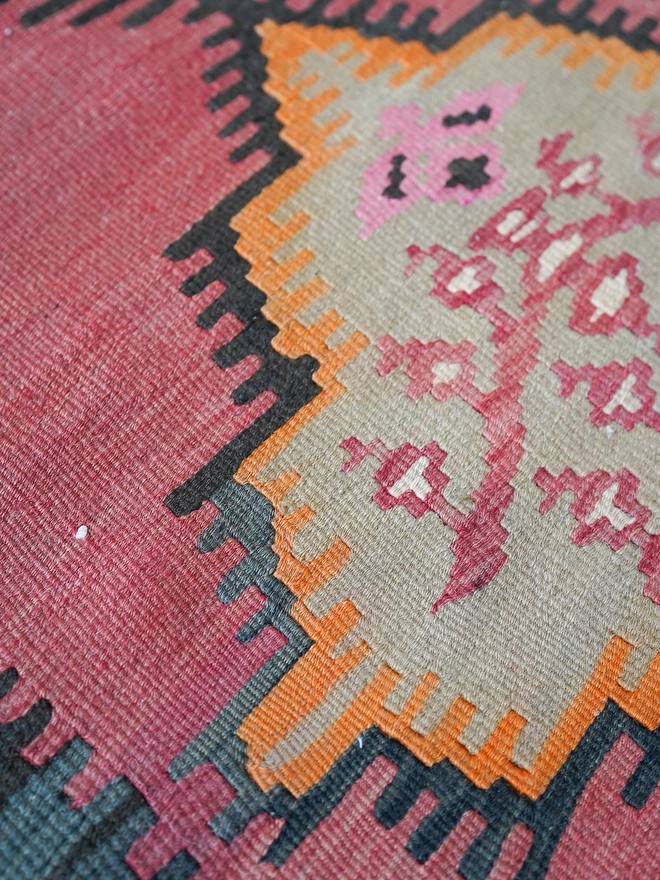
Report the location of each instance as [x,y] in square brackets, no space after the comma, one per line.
[330,439]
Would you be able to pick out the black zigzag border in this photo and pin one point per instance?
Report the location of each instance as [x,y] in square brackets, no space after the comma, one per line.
[64,842]
[292,382]
[245,515]
[500,805]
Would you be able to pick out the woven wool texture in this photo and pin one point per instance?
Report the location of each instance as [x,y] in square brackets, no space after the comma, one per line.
[329,438]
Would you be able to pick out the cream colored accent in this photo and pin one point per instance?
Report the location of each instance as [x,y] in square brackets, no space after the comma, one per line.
[605,507]
[512,220]
[465,281]
[581,174]
[556,254]
[610,295]
[524,231]
[445,372]
[413,480]
[624,397]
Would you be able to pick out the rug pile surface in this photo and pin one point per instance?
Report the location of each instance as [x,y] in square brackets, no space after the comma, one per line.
[329,439]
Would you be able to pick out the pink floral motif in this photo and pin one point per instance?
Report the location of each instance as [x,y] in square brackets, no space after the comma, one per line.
[572,177]
[436,368]
[605,505]
[607,298]
[618,393]
[446,158]
[409,477]
[606,509]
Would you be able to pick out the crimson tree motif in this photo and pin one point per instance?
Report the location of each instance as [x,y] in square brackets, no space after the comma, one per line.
[607,296]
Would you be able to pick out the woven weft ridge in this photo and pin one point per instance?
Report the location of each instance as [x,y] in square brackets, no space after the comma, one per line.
[329,437]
